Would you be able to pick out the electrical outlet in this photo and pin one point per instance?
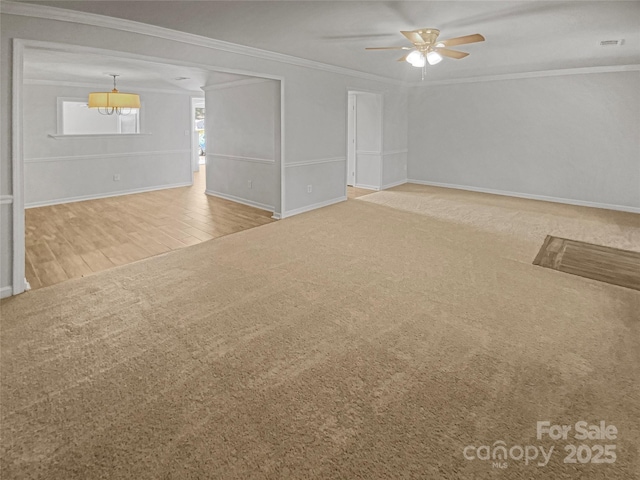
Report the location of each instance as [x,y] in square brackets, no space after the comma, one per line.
[308,188]
[250,184]
[116,177]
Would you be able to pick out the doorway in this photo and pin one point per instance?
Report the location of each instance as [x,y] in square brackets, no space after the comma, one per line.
[364,143]
[351,141]
[198,135]
[19,163]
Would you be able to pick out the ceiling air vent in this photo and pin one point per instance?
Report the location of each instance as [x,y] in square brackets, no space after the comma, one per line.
[611,43]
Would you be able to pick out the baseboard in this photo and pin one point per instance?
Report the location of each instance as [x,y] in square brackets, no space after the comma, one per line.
[83,198]
[308,208]
[394,184]
[6,291]
[544,198]
[276,216]
[367,187]
[244,201]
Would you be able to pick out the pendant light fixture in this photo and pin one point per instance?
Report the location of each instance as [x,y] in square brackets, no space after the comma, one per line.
[112,102]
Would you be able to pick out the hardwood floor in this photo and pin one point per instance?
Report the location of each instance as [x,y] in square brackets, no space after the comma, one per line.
[76,239]
[605,264]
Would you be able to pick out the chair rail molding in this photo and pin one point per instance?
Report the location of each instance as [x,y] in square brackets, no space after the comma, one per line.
[241,158]
[103,156]
[394,152]
[316,161]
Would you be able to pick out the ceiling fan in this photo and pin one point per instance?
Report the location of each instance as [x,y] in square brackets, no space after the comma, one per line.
[428,49]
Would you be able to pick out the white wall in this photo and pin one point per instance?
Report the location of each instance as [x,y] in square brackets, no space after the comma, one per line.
[572,137]
[315,102]
[395,138]
[243,137]
[70,168]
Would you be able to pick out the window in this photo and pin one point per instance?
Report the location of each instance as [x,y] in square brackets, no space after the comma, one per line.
[76,118]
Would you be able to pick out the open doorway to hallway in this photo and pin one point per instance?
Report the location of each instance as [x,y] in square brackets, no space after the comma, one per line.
[351,140]
[199,137]
[364,143]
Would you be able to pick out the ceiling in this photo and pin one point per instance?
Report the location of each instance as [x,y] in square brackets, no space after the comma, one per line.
[50,65]
[521,36]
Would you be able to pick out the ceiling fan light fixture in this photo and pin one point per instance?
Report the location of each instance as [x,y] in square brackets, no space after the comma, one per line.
[428,49]
[416,59]
[433,58]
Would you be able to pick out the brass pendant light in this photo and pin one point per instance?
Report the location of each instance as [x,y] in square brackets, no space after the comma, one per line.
[112,102]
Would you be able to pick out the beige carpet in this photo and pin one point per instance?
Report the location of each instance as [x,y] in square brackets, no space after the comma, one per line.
[359,341]
[519,218]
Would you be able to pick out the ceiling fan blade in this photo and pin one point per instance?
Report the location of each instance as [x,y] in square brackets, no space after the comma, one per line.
[388,48]
[445,52]
[452,42]
[403,58]
[413,37]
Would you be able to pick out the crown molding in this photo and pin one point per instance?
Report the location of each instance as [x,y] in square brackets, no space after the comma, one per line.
[72,16]
[81,49]
[235,83]
[101,86]
[536,74]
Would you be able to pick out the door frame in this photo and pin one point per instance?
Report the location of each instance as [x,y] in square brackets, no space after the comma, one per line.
[19,283]
[352,146]
[380,127]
